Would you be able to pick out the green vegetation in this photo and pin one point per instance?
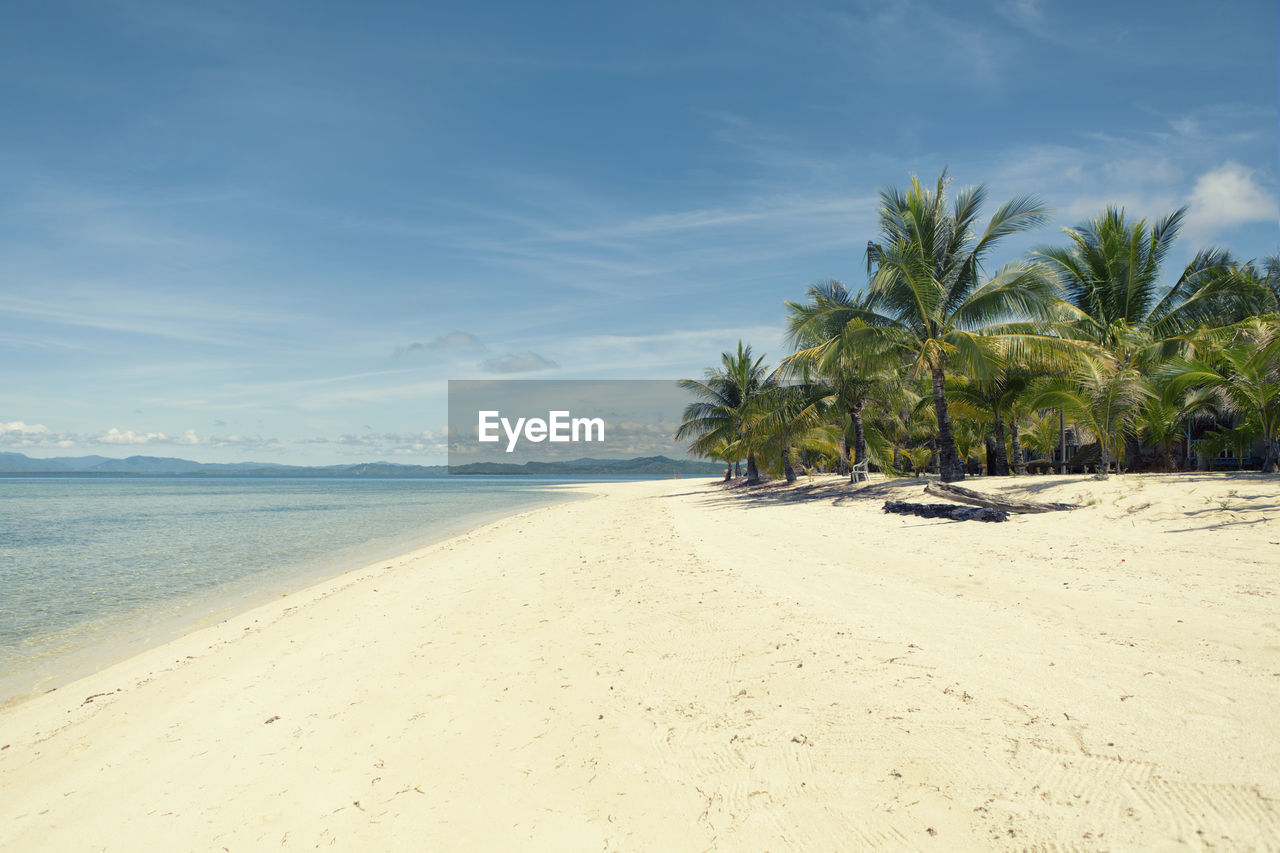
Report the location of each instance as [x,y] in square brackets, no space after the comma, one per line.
[939,365]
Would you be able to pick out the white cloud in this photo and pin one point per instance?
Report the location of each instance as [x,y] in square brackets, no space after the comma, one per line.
[130,437]
[358,440]
[23,428]
[116,436]
[1226,196]
[22,434]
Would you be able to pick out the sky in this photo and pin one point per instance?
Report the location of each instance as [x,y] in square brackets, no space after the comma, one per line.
[273,231]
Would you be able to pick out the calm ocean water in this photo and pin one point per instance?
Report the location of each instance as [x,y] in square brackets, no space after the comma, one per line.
[92,569]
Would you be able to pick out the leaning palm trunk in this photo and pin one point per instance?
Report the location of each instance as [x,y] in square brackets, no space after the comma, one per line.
[948,458]
[753,472]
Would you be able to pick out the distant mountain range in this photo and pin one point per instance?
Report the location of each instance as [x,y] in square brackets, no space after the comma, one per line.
[157,466]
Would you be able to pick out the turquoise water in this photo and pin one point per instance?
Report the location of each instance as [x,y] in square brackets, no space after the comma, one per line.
[92,569]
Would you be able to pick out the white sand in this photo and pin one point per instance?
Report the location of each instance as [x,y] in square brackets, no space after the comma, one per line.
[673,666]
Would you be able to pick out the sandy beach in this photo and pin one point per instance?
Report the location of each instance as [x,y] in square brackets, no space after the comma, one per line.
[679,666]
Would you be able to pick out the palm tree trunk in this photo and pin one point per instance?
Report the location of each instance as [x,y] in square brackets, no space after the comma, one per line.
[1019,458]
[859,432]
[787,470]
[753,473]
[948,459]
[1002,453]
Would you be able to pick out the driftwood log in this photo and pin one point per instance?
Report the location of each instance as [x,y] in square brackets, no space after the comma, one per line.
[951,511]
[969,496]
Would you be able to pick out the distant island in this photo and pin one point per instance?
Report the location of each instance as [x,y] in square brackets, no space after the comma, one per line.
[18,464]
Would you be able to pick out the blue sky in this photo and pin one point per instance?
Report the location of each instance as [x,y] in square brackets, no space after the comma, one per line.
[273,231]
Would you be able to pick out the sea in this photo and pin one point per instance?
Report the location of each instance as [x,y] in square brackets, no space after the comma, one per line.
[95,569]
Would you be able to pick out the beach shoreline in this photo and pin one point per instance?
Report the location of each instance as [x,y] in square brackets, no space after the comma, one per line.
[677,665]
[110,644]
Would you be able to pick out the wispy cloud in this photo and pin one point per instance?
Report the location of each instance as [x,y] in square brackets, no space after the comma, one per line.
[452,341]
[150,315]
[422,443]
[22,434]
[666,354]
[251,442]
[524,362]
[977,53]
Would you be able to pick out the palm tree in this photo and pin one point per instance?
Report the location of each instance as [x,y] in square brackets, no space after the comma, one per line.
[969,438]
[1042,436]
[928,299]
[1111,274]
[1266,278]
[1244,370]
[728,396]
[789,414]
[997,400]
[819,329]
[1102,395]
[1165,414]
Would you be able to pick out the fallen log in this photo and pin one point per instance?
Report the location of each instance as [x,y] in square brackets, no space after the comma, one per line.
[969,496]
[951,511]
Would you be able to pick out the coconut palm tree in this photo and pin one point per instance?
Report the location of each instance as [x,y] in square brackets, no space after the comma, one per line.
[1165,414]
[1042,434]
[788,414]
[998,401]
[725,411]
[1101,394]
[1265,276]
[928,298]
[1111,274]
[1244,370]
[819,329]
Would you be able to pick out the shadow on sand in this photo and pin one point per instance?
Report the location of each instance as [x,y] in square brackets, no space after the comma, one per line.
[774,492]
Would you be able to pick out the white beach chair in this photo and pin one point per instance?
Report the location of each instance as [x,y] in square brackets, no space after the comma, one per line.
[860,471]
